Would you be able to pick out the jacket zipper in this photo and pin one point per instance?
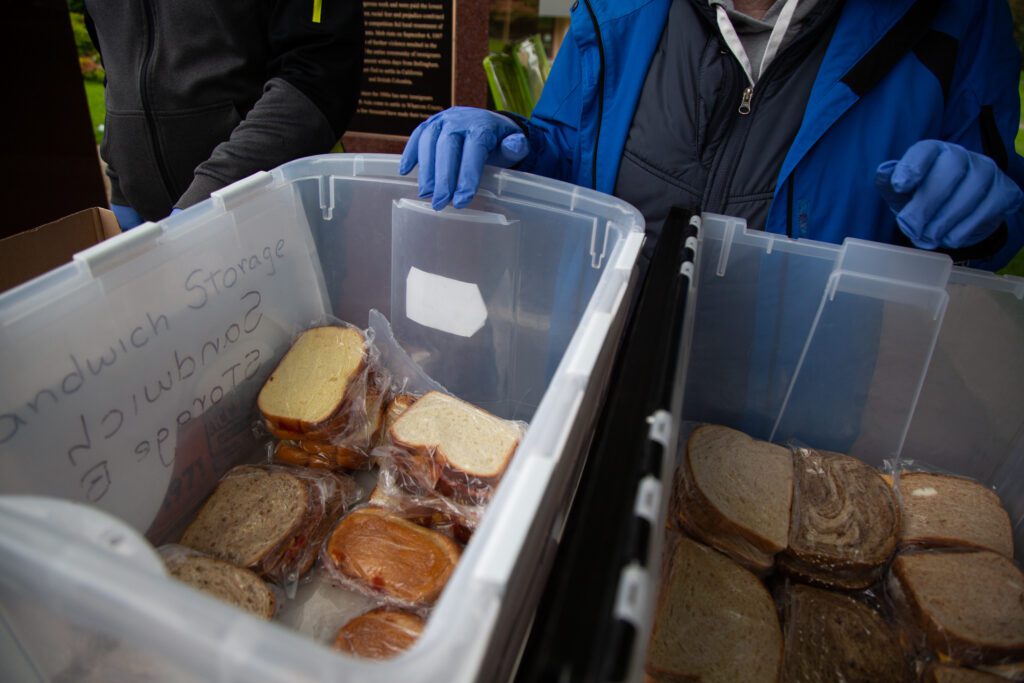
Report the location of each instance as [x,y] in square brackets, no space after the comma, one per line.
[600,93]
[748,94]
[154,139]
[744,109]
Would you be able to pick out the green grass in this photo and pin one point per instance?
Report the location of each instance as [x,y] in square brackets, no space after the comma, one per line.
[1016,266]
[97,107]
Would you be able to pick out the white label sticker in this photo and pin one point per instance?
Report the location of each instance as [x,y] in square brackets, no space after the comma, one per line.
[443,303]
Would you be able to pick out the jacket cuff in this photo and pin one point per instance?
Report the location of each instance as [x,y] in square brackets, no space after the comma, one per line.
[201,187]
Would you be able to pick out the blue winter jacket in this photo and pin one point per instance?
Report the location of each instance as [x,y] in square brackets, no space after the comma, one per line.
[874,96]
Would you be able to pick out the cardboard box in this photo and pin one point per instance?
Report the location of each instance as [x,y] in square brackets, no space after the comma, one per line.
[33,252]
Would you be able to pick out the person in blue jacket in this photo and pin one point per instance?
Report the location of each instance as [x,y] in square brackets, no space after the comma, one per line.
[823,119]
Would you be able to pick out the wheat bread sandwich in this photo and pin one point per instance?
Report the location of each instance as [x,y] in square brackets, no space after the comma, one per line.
[832,637]
[380,634]
[844,524]
[945,511]
[944,673]
[384,555]
[454,447]
[269,519]
[232,584]
[735,494]
[968,605]
[714,622]
[317,379]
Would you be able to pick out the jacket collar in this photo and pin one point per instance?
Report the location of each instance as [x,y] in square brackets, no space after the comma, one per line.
[862,24]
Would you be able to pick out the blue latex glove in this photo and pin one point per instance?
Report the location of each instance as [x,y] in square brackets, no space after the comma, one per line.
[176,210]
[126,216]
[946,196]
[451,148]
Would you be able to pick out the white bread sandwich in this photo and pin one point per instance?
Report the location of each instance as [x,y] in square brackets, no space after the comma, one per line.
[386,556]
[223,580]
[844,523]
[453,446]
[734,493]
[832,637]
[946,511]
[714,623]
[317,379]
[379,634]
[969,605]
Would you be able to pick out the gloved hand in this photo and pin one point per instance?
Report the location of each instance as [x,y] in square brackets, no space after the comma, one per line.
[126,216]
[451,148]
[946,196]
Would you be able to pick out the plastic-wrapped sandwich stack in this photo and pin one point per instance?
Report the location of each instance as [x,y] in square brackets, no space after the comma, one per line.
[898,576]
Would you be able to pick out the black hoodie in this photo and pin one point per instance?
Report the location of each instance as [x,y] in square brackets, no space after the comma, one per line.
[201,93]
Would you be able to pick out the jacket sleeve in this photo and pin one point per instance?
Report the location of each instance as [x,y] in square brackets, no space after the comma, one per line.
[553,126]
[313,81]
[985,114]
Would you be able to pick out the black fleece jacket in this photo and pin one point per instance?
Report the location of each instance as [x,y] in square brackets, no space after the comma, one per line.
[201,93]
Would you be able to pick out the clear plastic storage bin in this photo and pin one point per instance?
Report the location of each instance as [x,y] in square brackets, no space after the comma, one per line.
[130,376]
[878,351]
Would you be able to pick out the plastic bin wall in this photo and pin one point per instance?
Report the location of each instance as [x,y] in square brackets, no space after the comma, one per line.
[863,348]
[130,377]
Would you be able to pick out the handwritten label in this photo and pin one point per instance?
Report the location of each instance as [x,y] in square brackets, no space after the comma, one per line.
[125,398]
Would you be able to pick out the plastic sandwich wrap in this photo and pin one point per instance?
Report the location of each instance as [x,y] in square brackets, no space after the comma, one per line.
[223,580]
[844,521]
[957,606]
[833,636]
[302,406]
[386,555]
[271,519]
[423,420]
[444,445]
[426,509]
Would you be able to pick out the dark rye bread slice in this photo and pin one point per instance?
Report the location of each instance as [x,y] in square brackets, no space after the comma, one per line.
[944,673]
[453,446]
[736,493]
[714,622]
[379,634]
[391,557]
[312,383]
[249,515]
[844,523]
[832,637]
[225,581]
[945,511]
[970,605]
